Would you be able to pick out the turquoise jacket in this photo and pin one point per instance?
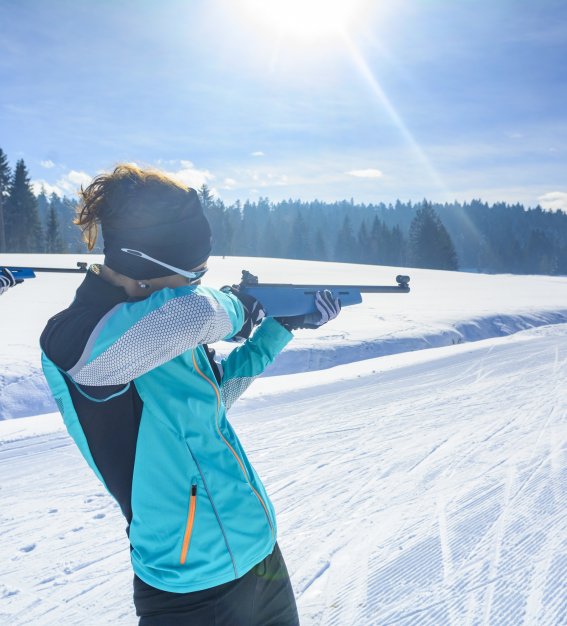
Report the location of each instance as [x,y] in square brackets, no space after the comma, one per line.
[146,403]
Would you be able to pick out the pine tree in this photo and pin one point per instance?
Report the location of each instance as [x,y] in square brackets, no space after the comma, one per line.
[215,215]
[4,185]
[205,196]
[321,246]
[399,253]
[539,254]
[298,244]
[228,230]
[247,240]
[53,240]
[430,243]
[363,245]
[43,206]
[23,228]
[270,243]
[376,241]
[346,245]
[66,210]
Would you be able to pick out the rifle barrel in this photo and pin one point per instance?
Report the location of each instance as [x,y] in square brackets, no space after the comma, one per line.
[250,281]
[401,288]
[69,270]
[81,269]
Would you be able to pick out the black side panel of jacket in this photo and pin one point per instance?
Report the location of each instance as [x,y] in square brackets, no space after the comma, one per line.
[110,425]
[111,429]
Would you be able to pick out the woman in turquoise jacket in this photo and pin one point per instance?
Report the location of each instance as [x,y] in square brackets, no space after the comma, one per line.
[146,401]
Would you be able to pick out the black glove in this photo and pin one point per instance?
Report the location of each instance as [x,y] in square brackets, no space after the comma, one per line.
[253,313]
[7,279]
[327,309]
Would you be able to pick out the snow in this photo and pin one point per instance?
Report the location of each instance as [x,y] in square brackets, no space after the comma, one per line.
[424,486]
[443,308]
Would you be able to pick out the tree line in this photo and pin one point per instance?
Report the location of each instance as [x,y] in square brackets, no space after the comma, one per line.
[30,223]
[471,236]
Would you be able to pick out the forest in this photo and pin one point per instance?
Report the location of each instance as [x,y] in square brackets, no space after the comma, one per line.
[468,236]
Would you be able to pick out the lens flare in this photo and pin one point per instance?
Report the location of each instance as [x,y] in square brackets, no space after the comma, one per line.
[306,19]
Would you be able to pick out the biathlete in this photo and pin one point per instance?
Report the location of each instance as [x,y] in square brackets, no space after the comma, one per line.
[146,402]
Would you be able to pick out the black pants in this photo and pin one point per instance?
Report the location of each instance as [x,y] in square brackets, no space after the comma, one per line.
[262,597]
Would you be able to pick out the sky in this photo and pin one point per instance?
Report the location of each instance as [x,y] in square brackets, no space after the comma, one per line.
[329,99]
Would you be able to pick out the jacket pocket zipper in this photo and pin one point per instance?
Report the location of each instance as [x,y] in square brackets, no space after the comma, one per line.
[189,525]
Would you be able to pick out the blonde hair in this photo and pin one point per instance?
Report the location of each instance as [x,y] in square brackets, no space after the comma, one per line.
[129,197]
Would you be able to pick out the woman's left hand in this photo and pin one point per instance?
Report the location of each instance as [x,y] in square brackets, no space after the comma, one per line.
[7,279]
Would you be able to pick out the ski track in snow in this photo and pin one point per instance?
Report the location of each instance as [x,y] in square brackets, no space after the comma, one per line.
[429,493]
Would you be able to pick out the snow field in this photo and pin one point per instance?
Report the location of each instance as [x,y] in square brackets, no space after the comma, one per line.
[438,498]
[443,309]
[421,487]
[410,493]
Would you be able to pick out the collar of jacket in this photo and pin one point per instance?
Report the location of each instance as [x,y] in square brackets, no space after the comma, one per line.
[97,292]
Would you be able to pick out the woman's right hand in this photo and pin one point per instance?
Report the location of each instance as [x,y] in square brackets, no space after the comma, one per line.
[253,313]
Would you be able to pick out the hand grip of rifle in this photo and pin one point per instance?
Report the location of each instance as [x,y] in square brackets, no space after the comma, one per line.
[286,300]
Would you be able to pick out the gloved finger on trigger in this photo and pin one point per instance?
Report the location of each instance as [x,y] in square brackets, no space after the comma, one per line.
[327,307]
[326,299]
[8,277]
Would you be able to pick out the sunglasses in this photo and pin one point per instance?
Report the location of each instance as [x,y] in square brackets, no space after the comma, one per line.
[177,270]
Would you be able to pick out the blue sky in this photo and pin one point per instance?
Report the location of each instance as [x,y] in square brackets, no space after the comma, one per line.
[444,99]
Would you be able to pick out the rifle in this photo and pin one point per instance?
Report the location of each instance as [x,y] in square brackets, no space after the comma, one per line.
[281,300]
[278,300]
[23,273]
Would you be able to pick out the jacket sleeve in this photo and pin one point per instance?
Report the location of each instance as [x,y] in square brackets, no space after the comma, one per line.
[250,359]
[135,337]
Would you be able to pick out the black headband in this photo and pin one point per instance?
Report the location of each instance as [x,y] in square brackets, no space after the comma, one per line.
[185,243]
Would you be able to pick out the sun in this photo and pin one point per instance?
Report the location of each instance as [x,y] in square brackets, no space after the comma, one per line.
[305,19]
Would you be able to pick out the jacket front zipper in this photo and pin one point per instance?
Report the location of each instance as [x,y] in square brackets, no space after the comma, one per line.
[238,459]
[190,523]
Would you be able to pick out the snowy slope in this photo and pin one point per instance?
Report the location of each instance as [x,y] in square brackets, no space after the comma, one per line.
[442,309]
[423,489]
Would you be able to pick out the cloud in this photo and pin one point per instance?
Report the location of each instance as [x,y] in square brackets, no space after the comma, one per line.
[265,178]
[229,183]
[42,185]
[258,153]
[47,164]
[71,182]
[67,185]
[368,173]
[191,176]
[553,200]
[78,178]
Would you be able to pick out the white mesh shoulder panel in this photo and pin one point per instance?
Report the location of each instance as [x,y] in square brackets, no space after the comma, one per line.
[180,324]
